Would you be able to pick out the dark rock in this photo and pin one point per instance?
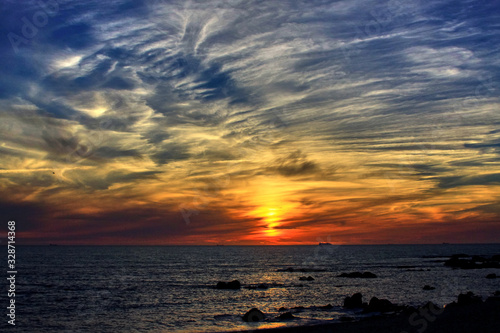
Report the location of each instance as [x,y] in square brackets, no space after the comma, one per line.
[308,278]
[282,309]
[254,315]
[262,286]
[365,275]
[380,305]
[286,316]
[491,276]
[229,285]
[288,269]
[369,275]
[302,270]
[427,287]
[325,307]
[469,298]
[298,308]
[355,301]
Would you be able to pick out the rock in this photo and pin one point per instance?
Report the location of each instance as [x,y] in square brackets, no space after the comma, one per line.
[309,278]
[325,307]
[229,285]
[369,275]
[478,259]
[298,308]
[254,315]
[282,309]
[469,298]
[355,301]
[365,275]
[302,270]
[491,276]
[380,305]
[286,316]
[427,287]
[262,286]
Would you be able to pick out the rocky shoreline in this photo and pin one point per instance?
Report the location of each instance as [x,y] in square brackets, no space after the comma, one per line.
[468,314]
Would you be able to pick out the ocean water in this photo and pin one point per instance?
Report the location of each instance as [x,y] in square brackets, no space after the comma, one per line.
[171,288]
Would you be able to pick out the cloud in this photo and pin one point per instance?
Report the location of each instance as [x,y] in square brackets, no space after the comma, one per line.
[295,164]
[457,181]
[170,152]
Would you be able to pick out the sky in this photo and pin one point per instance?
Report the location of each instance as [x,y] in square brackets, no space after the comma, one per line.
[163,122]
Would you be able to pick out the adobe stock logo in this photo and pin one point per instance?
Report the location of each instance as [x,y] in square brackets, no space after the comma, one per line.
[31,26]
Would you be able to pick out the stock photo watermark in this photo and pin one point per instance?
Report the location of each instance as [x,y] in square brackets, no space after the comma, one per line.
[11,272]
[31,24]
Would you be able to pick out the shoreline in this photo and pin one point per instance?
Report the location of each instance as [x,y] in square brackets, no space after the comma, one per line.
[469,314]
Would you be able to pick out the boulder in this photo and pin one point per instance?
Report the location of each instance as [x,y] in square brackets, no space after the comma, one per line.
[469,298]
[286,316]
[380,305]
[427,287]
[229,285]
[491,276]
[254,315]
[355,301]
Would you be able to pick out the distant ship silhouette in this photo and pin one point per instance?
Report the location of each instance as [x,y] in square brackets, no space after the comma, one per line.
[322,244]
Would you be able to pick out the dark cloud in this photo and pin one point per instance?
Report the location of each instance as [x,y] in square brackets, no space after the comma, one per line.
[170,152]
[485,146]
[111,153]
[26,214]
[295,164]
[458,181]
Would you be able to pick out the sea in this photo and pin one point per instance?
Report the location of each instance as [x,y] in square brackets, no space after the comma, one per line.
[172,288]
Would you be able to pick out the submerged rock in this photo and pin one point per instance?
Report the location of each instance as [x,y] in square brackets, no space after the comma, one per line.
[325,307]
[365,275]
[229,285]
[308,278]
[427,287]
[254,315]
[491,276]
[302,270]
